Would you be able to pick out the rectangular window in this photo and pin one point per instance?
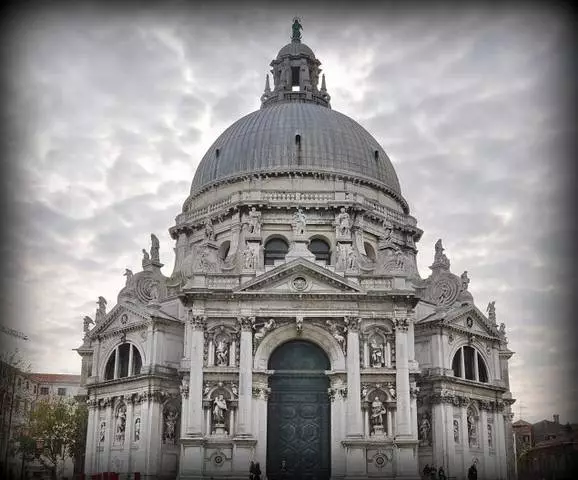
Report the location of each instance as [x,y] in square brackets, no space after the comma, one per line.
[35,389]
[44,391]
[61,391]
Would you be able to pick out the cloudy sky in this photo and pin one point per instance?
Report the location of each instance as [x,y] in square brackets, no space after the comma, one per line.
[112,111]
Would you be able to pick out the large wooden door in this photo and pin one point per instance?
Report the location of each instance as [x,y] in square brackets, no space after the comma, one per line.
[298,425]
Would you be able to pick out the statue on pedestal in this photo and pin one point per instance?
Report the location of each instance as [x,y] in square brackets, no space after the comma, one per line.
[299,222]
[254,224]
[209,230]
[376,355]
[222,353]
[155,247]
[219,413]
[377,413]
[343,223]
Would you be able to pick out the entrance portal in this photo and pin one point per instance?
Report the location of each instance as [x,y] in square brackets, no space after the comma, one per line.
[298,416]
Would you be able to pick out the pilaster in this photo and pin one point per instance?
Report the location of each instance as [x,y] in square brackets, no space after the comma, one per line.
[196,326]
[244,421]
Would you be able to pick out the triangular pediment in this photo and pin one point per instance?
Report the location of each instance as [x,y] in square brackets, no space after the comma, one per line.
[300,276]
[470,318]
[122,315]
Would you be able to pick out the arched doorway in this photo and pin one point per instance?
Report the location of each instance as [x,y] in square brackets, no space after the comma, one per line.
[298,425]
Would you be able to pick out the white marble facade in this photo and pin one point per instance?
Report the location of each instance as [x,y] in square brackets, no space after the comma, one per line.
[295,246]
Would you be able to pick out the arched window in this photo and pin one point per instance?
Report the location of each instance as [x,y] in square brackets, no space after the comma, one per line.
[125,361]
[369,251]
[321,250]
[275,249]
[469,364]
[224,249]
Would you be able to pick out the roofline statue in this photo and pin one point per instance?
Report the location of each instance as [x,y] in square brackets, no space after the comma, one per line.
[296,27]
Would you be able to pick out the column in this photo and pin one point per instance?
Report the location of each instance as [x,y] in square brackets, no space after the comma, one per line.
[90,437]
[195,405]
[403,417]
[354,414]
[476,366]
[389,423]
[462,363]
[116,363]
[244,422]
[366,362]
[109,436]
[130,355]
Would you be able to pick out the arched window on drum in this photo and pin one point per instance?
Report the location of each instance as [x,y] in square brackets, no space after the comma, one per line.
[124,361]
[275,249]
[469,364]
[321,250]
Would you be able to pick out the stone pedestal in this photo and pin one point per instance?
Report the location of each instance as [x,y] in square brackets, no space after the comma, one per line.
[219,430]
[378,432]
[298,249]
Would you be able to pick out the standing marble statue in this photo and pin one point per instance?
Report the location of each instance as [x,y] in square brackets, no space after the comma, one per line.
[376,354]
[222,352]
[465,280]
[219,409]
[128,274]
[254,224]
[87,322]
[299,222]
[343,223]
[377,411]
[101,310]
[209,230]
[155,247]
[491,311]
[425,429]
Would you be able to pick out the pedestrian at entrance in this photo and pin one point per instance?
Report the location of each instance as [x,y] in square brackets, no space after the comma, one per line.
[426,471]
[432,473]
[257,471]
[473,472]
[441,474]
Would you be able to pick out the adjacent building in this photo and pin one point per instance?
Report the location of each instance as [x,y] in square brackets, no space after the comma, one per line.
[295,329]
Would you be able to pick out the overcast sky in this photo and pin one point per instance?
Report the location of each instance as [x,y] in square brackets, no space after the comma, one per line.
[113,112]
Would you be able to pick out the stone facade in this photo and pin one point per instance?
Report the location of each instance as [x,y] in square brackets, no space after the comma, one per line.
[178,374]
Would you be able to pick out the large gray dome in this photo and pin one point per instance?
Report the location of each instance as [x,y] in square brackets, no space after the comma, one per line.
[265,142]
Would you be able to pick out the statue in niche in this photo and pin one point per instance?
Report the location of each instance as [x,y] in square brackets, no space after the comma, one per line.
[209,229]
[491,311]
[155,247]
[222,353]
[334,329]
[391,391]
[341,260]
[120,424]
[249,257]
[465,280]
[267,327]
[377,412]
[456,431]
[128,274]
[137,429]
[101,310]
[254,225]
[351,258]
[376,354]
[364,392]
[102,433]
[299,222]
[425,430]
[472,430]
[399,260]
[490,439]
[219,409]
[86,323]
[170,426]
[343,223]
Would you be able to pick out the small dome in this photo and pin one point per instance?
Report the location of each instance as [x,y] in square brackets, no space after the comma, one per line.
[295,49]
[296,137]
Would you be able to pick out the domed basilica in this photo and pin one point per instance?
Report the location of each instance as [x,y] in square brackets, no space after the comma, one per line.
[295,331]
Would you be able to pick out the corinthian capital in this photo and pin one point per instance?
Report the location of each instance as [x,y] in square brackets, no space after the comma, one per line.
[197,322]
[246,323]
[352,324]
[401,324]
